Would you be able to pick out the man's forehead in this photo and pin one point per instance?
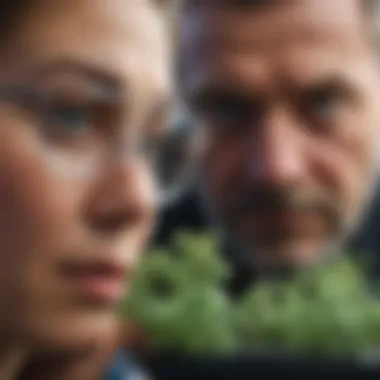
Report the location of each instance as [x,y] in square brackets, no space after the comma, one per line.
[303,24]
[256,4]
[225,21]
[302,42]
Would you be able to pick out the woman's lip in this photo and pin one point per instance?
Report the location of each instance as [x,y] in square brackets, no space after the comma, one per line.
[102,289]
[99,281]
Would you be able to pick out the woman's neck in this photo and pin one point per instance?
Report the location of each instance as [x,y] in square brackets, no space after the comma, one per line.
[89,364]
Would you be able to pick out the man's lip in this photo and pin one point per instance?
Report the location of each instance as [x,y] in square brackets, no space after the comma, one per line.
[282,217]
[282,224]
[100,281]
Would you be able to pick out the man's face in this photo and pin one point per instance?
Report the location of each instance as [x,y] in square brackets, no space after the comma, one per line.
[84,89]
[286,97]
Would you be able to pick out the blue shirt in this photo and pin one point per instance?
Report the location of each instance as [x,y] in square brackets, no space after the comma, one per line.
[124,367]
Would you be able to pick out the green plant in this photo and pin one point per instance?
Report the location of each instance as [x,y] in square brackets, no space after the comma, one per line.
[178,299]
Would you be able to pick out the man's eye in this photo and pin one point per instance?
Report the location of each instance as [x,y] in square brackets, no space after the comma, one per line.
[226,114]
[324,104]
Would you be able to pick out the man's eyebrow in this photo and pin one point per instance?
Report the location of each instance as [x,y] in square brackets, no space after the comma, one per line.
[339,80]
[81,68]
[211,89]
[341,85]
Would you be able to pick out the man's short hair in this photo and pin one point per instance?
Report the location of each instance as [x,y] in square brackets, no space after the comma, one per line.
[371,9]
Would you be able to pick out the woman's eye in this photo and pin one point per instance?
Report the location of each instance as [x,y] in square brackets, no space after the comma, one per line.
[70,126]
[72,119]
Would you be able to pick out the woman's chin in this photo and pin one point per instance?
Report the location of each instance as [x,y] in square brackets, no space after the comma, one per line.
[76,335]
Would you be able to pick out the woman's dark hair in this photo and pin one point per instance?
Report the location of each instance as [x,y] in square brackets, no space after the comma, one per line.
[11,14]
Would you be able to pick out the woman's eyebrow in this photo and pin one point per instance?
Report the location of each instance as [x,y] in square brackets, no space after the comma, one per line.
[89,71]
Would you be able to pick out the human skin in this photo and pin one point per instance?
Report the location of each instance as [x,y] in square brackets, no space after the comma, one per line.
[78,201]
[286,96]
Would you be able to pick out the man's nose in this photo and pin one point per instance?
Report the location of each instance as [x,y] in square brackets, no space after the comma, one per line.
[122,197]
[275,156]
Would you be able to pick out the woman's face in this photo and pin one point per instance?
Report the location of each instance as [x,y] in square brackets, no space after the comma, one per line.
[83,98]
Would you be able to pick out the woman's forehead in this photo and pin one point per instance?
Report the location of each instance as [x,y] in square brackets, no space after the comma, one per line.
[124,39]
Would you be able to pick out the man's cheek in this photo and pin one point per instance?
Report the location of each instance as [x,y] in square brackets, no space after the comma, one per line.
[346,173]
